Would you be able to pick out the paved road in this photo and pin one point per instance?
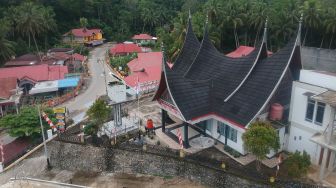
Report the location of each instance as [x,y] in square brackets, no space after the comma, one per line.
[79,105]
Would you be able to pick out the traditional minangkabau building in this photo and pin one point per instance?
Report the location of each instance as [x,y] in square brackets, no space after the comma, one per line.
[220,96]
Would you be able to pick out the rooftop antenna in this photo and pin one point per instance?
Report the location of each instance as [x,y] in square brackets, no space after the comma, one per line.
[189,14]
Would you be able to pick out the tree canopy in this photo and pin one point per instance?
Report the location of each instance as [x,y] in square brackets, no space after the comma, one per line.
[26,123]
[98,113]
[260,138]
[231,23]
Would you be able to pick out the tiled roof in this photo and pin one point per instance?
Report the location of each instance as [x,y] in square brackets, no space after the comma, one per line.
[235,89]
[78,57]
[150,63]
[142,37]
[124,48]
[83,32]
[242,51]
[7,85]
[37,73]
[60,50]
[188,52]
[31,59]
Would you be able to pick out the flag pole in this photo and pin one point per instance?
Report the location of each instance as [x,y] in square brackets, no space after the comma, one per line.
[138,96]
[44,143]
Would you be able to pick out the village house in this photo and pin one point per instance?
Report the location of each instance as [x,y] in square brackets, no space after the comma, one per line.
[28,76]
[56,56]
[145,72]
[220,96]
[9,95]
[144,39]
[89,37]
[122,49]
[312,109]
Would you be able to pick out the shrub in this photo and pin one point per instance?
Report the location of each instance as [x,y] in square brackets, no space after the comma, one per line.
[231,151]
[89,129]
[298,164]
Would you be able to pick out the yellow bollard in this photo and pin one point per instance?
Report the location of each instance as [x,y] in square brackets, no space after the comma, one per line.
[223,166]
[272,179]
[144,147]
[182,153]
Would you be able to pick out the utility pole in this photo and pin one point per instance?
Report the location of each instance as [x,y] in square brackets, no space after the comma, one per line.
[104,72]
[44,143]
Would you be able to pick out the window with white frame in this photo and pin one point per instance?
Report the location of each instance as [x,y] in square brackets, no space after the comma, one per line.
[315,112]
[231,132]
[319,113]
[310,110]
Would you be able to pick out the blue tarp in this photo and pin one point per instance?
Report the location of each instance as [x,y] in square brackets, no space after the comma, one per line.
[68,82]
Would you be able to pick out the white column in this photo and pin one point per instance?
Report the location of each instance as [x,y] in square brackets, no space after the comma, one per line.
[331,125]
[323,165]
[331,161]
[1,112]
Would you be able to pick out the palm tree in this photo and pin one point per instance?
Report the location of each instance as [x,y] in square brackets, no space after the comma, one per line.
[258,15]
[6,46]
[311,11]
[213,7]
[83,22]
[330,24]
[32,20]
[232,18]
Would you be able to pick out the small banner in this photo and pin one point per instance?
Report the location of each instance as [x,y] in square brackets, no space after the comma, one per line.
[60,116]
[46,118]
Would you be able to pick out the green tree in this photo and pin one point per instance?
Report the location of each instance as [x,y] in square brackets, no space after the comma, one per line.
[33,19]
[297,164]
[26,123]
[330,24]
[259,139]
[6,46]
[83,22]
[98,113]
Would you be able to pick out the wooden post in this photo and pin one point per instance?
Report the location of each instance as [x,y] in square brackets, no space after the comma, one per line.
[186,137]
[163,120]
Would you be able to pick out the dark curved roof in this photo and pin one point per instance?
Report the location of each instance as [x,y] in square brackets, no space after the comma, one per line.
[236,89]
[188,52]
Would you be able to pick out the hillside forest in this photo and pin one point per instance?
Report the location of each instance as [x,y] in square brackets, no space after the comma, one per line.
[28,26]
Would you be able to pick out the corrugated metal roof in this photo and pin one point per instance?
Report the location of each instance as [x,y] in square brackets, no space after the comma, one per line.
[68,82]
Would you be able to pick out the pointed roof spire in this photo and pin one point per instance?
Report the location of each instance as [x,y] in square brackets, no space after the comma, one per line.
[298,38]
[163,56]
[265,30]
[189,14]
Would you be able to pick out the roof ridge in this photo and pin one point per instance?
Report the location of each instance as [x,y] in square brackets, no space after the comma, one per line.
[263,46]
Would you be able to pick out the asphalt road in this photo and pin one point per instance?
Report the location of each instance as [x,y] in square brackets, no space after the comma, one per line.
[79,105]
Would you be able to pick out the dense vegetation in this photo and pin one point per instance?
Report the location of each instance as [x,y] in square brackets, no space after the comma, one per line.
[231,22]
[26,123]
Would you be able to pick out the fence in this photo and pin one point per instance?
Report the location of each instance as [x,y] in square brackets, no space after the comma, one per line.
[59,100]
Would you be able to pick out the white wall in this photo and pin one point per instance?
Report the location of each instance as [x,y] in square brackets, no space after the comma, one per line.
[238,146]
[299,106]
[302,130]
[298,140]
[318,78]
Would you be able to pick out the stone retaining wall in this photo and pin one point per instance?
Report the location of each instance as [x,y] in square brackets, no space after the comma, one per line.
[155,160]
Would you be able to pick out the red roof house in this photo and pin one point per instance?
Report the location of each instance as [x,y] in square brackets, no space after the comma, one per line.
[142,37]
[78,57]
[243,51]
[35,73]
[147,69]
[7,86]
[84,35]
[124,49]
